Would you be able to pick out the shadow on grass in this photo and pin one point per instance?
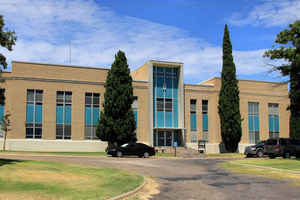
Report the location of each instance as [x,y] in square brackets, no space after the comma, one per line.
[8,161]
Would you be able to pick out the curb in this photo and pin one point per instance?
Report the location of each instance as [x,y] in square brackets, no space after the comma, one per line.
[270,168]
[127,194]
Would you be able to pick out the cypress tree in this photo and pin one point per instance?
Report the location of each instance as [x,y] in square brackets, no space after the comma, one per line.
[229,100]
[117,123]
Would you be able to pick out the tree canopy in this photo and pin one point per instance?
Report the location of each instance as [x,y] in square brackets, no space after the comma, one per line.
[7,40]
[117,123]
[288,49]
[229,100]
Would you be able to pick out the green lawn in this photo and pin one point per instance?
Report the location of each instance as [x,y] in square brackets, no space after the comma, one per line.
[59,153]
[289,164]
[224,155]
[283,164]
[50,180]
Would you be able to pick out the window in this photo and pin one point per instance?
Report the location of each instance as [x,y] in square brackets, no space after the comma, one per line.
[253,122]
[135,109]
[92,112]
[164,105]
[34,114]
[63,115]
[205,119]
[2,101]
[193,119]
[273,120]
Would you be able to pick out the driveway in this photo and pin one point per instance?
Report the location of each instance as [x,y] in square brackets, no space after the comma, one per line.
[187,179]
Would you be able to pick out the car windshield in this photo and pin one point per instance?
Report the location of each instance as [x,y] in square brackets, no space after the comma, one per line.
[124,145]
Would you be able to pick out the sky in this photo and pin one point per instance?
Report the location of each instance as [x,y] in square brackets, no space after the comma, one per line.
[188,31]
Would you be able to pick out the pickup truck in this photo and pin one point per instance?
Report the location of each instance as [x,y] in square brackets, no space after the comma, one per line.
[285,147]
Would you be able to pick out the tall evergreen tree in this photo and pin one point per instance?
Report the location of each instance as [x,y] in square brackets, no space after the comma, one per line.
[229,100]
[289,51]
[117,123]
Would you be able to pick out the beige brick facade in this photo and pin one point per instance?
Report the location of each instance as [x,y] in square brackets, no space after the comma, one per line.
[79,80]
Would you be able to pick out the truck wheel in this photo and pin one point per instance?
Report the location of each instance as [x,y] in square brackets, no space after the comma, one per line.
[146,155]
[271,156]
[259,153]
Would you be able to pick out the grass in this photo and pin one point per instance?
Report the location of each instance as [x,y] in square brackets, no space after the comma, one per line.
[50,180]
[59,153]
[283,164]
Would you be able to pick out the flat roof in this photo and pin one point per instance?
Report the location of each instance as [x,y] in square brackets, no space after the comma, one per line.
[61,65]
[258,81]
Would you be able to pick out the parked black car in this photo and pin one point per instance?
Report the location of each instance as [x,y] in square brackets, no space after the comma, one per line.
[255,150]
[292,148]
[275,147]
[132,149]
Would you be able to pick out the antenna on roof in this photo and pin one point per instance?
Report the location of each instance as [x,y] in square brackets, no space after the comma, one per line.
[70,60]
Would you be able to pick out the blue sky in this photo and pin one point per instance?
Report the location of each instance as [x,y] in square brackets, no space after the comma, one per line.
[188,31]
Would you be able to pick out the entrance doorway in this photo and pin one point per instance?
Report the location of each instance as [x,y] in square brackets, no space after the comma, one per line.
[167,137]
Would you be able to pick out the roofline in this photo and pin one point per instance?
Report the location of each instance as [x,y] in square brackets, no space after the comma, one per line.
[165,62]
[200,85]
[257,81]
[61,65]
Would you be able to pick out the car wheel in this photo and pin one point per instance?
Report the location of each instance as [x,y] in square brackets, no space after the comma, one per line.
[119,154]
[286,155]
[259,153]
[146,155]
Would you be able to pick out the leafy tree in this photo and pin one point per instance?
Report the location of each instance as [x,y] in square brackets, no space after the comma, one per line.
[5,123]
[7,40]
[117,123]
[229,100]
[289,51]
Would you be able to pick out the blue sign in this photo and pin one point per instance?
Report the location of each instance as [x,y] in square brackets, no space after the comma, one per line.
[175,144]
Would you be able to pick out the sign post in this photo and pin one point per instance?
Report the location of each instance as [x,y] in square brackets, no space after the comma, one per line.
[175,145]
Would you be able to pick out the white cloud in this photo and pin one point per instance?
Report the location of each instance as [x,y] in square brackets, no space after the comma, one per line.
[45,28]
[270,13]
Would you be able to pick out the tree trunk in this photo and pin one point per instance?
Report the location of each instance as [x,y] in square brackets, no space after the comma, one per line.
[4,141]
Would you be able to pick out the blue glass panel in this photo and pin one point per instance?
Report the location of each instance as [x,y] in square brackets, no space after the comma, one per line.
[1,112]
[160,119]
[88,115]
[59,115]
[276,121]
[193,122]
[168,87]
[250,123]
[175,113]
[154,113]
[160,84]
[135,116]
[168,119]
[68,114]
[271,123]
[205,122]
[29,113]
[38,114]
[256,122]
[95,116]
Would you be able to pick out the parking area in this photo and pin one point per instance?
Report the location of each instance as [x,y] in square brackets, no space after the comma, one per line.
[188,178]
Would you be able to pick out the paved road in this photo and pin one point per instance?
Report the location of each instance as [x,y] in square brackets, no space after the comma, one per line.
[190,179]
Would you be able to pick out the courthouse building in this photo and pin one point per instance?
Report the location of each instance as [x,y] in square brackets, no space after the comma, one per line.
[57,107]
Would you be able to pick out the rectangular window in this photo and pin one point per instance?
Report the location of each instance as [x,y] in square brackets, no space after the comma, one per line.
[253,122]
[34,114]
[2,102]
[273,109]
[193,116]
[164,105]
[205,119]
[63,115]
[135,109]
[92,113]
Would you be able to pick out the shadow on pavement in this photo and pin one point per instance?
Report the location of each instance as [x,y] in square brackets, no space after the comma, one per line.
[8,161]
